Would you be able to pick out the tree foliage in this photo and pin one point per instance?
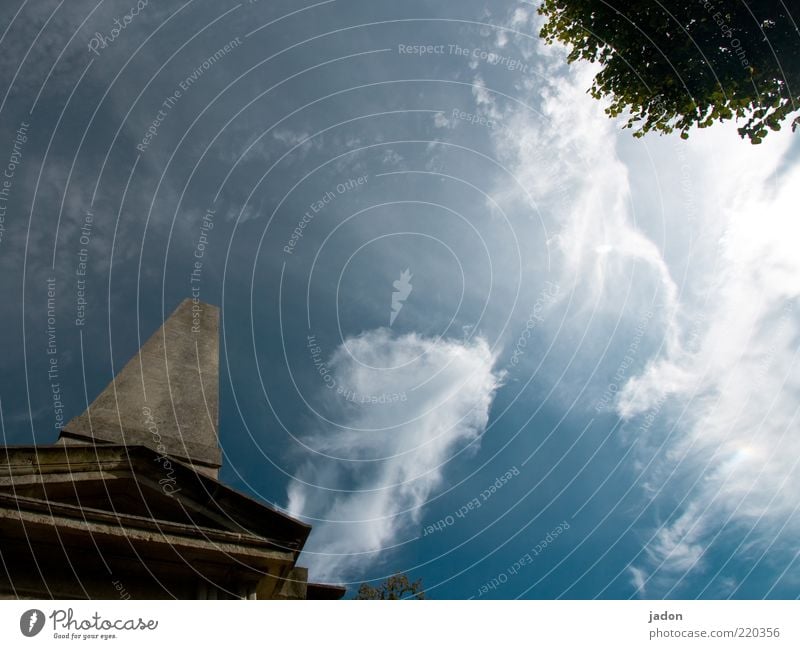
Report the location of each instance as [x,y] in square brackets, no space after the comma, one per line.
[674,65]
[395,587]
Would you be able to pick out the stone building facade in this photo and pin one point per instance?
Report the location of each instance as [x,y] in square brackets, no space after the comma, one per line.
[128,502]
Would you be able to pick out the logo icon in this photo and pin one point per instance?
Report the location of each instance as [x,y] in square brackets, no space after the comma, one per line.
[402,290]
[31,622]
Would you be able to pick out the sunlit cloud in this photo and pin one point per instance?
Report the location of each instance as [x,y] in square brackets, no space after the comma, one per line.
[402,406]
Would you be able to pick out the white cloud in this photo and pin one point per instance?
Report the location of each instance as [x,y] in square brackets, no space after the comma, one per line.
[501,38]
[735,377]
[726,369]
[289,137]
[392,455]
[677,544]
[440,120]
[485,99]
[565,157]
[519,18]
[638,578]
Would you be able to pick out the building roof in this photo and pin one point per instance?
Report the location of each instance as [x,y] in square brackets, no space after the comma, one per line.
[75,514]
[136,475]
[136,481]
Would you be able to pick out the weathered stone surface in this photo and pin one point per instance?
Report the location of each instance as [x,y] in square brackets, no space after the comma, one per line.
[292,587]
[167,396]
[78,521]
[128,504]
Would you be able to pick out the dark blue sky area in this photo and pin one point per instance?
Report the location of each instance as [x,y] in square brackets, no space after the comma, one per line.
[581,322]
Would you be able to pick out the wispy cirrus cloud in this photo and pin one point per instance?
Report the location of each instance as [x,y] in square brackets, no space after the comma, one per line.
[720,361]
[407,404]
[734,374]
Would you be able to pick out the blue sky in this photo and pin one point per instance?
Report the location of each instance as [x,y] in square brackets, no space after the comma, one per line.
[605,327]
